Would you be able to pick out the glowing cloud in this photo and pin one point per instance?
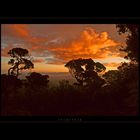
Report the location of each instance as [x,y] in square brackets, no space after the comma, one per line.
[89,45]
[57,48]
[15,30]
[38,60]
[112,64]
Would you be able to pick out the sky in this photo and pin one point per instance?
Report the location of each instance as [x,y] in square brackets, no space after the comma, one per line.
[51,46]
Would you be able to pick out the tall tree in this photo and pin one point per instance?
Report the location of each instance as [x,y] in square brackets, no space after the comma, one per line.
[85,71]
[132,41]
[19,61]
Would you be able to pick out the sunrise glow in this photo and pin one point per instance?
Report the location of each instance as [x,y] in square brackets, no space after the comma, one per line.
[52,46]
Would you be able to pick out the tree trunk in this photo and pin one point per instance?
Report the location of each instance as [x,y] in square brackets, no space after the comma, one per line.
[78,80]
[17,69]
[9,71]
[17,72]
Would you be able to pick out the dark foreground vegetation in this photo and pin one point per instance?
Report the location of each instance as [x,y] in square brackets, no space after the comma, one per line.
[33,96]
[113,93]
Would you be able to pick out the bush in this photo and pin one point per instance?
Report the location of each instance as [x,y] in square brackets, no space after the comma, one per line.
[36,80]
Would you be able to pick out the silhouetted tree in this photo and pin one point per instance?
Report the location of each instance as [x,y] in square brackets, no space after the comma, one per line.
[132,40]
[112,76]
[124,81]
[89,74]
[19,61]
[37,80]
[128,71]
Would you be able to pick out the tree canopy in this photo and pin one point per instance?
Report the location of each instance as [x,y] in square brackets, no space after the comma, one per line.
[19,61]
[132,40]
[87,75]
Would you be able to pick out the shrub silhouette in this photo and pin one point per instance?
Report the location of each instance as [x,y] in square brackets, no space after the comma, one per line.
[9,90]
[36,80]
[64,87]
[10,83]
[64,84]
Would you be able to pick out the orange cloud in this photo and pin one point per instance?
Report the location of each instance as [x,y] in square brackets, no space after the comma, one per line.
[15,30]
[89,45]
[38,61]
[4,51]
[112,64]
[21,30]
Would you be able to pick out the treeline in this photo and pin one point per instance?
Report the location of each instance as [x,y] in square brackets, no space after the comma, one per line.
[117,95]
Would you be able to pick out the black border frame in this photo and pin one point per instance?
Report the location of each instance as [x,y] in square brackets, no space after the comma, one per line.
[70,119]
